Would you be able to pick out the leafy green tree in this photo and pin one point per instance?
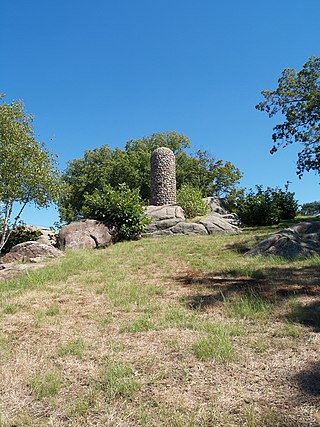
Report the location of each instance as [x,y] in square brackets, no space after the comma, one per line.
[311,208]
[104,166]
[28,171]
[212,177]
[297,99]
[263,207]
[120,206]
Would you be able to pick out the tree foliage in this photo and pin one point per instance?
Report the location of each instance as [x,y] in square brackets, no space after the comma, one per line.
[104,166]
[120,206]
[28,171]
[297,98]
[191,201]
[311,208]
[263,207]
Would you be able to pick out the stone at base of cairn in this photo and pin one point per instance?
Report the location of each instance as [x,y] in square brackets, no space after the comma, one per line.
[169,220]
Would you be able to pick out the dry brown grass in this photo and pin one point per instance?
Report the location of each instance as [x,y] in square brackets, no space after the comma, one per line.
[106,338]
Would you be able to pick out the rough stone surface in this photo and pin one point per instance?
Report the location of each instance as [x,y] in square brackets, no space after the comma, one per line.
[188,228]
[30,252]
[170,220]
[87,234]
[299,241]
[163,217]
[163,177]
[218,224]
[216,205]
[48,236]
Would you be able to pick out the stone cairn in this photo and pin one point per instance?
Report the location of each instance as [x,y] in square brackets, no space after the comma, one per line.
[163,177]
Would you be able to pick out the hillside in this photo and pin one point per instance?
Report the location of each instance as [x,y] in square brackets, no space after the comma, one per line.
[176,331]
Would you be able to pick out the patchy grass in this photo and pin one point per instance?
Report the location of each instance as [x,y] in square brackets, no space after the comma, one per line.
[117,381]
[75,347]
[181,331]
[248,306]
[216,346]
[47,384]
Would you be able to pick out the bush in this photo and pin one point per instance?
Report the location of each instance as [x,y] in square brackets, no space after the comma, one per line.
[18,235]
[191,201]
[120,207]
[264,207]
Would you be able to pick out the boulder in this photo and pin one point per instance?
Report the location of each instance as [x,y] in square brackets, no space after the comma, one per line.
[31,251]
[86,234]
[216,205]
[163,217]
[48,236]
[170,220]
[218,224]
[188,228]
[299,241]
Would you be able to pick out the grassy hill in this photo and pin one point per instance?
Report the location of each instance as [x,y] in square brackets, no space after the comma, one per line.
[176,331]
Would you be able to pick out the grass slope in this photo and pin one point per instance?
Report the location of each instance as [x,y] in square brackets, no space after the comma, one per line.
[179,331]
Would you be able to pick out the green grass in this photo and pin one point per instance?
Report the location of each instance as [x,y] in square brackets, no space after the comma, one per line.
[140,324]
[10,308]
[217,346]
[117,381]
[141,332]
[289,330]
[130,296]
[248,306]
[46,384]
[5,348]
[75,347]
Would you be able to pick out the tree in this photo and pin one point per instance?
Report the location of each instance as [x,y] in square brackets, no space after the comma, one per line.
[103,166]
[28,171]
[311,208]
[263,207]
[297,98]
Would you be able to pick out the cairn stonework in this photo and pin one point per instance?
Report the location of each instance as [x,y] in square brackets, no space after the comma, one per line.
[163,177]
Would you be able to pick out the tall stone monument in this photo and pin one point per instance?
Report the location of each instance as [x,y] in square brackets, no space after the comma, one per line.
[163,177]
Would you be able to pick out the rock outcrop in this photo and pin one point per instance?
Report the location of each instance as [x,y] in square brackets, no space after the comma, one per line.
[86,234]
[221,224]
[48,236]
[30,251]
[170,220]
[299,241]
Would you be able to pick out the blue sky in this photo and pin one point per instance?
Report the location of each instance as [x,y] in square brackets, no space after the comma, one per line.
[104,72]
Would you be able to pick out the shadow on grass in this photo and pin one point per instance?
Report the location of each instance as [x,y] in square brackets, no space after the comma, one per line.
[308,315]
[273,285]
[308,380]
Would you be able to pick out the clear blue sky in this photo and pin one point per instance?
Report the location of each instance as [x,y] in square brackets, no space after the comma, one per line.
[104,72]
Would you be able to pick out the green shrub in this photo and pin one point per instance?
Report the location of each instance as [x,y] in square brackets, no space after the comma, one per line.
[120,207]
[263,207]
[20,234]
[191,201]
